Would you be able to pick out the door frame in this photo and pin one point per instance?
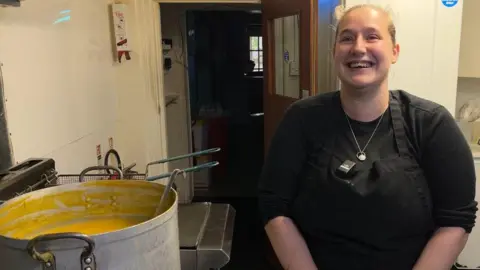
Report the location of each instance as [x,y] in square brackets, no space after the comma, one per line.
[148,12]
[154,45]
[275,104]
[158,68]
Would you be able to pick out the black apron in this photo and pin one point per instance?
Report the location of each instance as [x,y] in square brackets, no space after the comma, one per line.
[381,221]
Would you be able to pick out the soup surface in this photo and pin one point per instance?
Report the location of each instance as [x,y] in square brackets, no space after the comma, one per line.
[89,226]
[94,226]
[91,208]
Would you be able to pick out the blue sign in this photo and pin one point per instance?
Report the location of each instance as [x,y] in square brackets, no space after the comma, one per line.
[286,56]
[449,3]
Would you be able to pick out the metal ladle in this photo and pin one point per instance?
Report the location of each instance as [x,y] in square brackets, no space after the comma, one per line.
[169,185]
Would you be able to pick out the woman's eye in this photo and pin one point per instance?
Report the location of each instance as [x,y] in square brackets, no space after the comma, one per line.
[346,38]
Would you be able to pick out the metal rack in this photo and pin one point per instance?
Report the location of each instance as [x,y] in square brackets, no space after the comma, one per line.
[129,174]
[47,179]
[27,176]
[51,177]
[64,179]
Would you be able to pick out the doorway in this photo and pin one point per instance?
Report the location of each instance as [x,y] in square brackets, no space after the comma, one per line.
[225,71]
[213,83]
[213,80]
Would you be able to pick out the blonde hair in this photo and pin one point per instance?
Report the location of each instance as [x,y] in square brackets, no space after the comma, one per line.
[340,14]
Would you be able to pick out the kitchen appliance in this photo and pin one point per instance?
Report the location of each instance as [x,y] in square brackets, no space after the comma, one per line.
[205,229]
[151,244]
[31,174]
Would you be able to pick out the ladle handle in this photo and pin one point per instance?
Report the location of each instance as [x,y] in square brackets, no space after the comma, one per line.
[84,172]
[87,259]
[166,191]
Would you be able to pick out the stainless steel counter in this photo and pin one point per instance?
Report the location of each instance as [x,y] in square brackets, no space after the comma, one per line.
[205,231]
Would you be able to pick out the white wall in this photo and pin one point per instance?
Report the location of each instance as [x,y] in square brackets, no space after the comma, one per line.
[64,91]
[429,38]
[173,19]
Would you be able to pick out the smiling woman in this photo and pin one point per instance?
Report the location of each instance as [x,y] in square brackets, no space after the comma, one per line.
[367,177]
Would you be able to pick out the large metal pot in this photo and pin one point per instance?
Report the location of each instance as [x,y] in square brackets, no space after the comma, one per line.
[25,222]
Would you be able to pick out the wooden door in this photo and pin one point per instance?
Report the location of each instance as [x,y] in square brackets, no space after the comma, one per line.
[290,58]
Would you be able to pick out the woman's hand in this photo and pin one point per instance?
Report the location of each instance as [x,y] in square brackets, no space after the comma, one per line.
[289,245]
[443,249]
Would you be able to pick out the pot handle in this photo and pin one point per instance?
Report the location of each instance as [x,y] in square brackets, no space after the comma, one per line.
[82,174]
[87,259]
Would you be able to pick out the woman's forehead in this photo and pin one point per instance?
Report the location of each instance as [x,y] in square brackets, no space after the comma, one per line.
[367,18]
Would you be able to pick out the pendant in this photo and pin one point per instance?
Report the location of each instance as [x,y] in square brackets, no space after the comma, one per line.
[361,156]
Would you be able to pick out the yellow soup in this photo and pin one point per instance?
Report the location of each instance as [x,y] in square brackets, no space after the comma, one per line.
[93,226]
[90,208]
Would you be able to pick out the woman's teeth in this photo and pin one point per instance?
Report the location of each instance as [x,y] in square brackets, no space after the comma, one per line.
[360,64]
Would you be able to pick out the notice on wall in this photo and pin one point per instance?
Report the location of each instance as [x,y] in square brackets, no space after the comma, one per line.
[120,29]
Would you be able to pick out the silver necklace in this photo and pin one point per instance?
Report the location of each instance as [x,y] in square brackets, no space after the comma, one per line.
[361,155]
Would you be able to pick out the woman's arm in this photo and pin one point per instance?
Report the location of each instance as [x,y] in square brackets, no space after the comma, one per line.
[277,188]
[443,249]
[289,245]
[448,165]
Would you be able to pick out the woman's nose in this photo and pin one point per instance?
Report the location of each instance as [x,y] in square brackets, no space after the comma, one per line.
[359,47]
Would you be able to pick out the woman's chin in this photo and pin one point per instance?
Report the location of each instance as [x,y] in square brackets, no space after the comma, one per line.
[359,82]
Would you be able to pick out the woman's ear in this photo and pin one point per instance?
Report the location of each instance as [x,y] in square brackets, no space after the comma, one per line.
[396,53]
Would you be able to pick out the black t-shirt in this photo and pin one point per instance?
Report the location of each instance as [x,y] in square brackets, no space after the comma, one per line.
[433,138]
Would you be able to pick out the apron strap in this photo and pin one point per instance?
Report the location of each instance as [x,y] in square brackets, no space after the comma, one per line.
[398,127]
